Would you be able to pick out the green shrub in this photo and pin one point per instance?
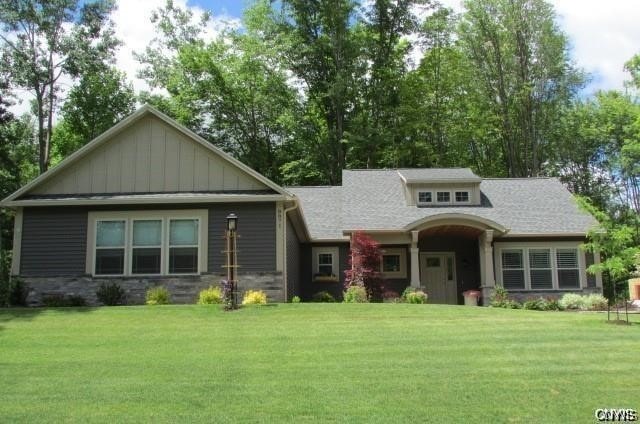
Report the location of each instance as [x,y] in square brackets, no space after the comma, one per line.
[54,300]
[295,299]
[500,299]
[254,297]
[572,301]
[411,295]
[158,296]
[110,294]
[540,304]
[210,296]
[553,305]
[323,297]
[595,302]
[355,294]
[18,293]
[75,300]
[62,301]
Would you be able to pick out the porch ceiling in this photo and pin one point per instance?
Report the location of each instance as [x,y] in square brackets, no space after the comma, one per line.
[451,231]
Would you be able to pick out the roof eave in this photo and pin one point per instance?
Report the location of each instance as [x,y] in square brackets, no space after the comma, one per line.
[144,200]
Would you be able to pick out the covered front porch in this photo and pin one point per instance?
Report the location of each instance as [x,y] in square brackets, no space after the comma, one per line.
[453,253]
[448,254]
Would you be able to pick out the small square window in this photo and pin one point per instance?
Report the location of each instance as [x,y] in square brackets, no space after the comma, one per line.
[424,197]
[444,197]
[391,263]
[462,196]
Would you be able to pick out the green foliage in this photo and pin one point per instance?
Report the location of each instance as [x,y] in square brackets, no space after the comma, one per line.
[323,297]
[572,301]
[62,301]
[99,101]
[158,296]
[18,293]
[295,299]
[210,296]
[595,302]
[412,295]
[539,304]
[355,294]
[500,299]
[254,297]
[45,41]
[111,294]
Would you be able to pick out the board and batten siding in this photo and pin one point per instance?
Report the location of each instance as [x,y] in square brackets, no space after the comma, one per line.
[256,241]
[53,242]
[150,156]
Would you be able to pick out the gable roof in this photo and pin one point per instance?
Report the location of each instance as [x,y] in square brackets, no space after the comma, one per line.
[373,200]
[42,185]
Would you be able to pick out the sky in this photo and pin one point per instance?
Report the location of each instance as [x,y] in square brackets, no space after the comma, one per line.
[602,35]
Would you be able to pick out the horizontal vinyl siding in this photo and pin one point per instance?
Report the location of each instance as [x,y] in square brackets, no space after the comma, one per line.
[256,236]
[53,242]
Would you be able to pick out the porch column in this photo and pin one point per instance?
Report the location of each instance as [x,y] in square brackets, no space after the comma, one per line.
[415,260]
[487,276]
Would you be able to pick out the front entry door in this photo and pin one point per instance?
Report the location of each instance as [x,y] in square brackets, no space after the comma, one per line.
[437,275]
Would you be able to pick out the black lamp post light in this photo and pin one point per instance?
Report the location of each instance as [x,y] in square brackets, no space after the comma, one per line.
[231,264]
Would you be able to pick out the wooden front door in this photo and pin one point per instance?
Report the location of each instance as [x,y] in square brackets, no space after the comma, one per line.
[437,275]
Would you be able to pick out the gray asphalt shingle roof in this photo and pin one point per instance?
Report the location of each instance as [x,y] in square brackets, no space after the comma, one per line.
[374,200]
[438,174]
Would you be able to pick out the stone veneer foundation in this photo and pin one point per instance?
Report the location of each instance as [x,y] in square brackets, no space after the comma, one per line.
[183,289]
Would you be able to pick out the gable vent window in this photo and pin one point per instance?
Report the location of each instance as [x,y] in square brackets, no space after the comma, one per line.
[540,269]
[424,197]
[512,269]
[568,270]
[443,197]
[462,196]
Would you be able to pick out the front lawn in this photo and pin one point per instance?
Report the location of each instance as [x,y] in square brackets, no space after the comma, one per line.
[313,362]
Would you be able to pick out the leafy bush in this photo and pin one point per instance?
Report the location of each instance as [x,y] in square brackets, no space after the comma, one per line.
[553,305]
[323,297]
[158,296]
[500,299]
[572,301]
[411,295]
[540,304]
[595,302]
[54,300]
[75,300]
[254,297]
[355,294]
[18,293]
[61,301]
[110,294]
[295,299]
[210,296]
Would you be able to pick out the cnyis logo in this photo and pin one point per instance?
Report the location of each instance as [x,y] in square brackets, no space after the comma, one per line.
[616,415]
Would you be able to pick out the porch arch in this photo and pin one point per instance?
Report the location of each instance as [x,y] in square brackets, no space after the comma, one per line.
[458,219]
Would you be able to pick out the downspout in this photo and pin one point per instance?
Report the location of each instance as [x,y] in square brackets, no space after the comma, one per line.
[284,232]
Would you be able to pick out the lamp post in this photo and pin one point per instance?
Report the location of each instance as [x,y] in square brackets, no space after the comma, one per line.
[232,259]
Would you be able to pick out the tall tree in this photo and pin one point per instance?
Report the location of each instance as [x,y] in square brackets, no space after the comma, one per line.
[46,40]
[232,90]
[522,64]
[95,104]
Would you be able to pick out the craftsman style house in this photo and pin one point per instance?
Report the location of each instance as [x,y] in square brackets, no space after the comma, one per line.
[145,204]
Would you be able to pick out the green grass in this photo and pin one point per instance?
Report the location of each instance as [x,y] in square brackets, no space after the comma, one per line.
[313,362]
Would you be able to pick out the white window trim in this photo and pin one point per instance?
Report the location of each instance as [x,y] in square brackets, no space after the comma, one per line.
[453,197]
[553,246]
[402,252]
[165,216]
[316,251]
[419,203]
[438,202]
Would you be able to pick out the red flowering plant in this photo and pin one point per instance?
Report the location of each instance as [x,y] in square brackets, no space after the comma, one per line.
[364,260]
